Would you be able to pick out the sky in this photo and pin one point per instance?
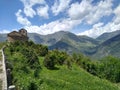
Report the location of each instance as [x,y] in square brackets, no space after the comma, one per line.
[82,17]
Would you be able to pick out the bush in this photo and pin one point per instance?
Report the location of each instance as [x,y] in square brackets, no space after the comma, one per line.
[110,69]
[55,57]
[49,61]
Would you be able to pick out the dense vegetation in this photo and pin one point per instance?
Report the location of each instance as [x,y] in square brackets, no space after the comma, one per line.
[22,59]
[108,67]
[34,67]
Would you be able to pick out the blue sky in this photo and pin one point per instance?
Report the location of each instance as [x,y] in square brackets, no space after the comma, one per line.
[82,17]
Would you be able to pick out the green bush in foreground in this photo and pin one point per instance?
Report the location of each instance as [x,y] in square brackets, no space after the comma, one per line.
[55,57]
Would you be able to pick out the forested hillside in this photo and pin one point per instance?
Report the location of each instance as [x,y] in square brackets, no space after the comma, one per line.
[34,67]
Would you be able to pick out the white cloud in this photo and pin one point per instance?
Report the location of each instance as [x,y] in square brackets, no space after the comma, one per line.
[43,11]
[98,25]
[109,27]
[79,10]
[95,31]
[29,11]
[103,8]
[88,12]
[33,2]
[22,20]
[28,7]
[4,31]
[117,15]
[55,26]
[60,6]
[99,29]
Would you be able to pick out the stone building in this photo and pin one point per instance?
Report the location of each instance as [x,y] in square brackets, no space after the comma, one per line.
[21,35]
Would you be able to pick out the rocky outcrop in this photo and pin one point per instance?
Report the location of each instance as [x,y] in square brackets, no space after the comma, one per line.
[21,35]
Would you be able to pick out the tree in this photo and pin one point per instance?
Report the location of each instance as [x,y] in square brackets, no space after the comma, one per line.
[49,61]
[55,57]
[110,69]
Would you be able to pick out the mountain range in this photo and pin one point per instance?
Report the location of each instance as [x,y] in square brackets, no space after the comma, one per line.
[65,41]
[108,35]
[105,44]
[108,47]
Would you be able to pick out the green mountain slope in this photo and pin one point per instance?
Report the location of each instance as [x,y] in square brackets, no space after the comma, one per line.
[75,43]
[49,39]
[65,41]
[63,45]
[109,47]
[106,36]
[74,79]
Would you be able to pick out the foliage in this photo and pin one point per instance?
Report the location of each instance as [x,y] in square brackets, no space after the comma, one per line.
[109,68]
[22,59]
[55,57]
[49,61]
[31,66]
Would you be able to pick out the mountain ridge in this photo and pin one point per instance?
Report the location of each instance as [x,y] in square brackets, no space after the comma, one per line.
[108,35]
[108,47]
[67,41]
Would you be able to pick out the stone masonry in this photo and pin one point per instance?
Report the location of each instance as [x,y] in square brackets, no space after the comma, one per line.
[21,35]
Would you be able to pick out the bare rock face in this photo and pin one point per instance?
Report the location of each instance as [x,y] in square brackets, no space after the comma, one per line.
[21,35]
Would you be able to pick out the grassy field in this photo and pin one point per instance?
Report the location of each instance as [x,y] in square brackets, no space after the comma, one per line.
[74,79]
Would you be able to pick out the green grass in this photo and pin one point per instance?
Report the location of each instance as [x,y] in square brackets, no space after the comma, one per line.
[74,79]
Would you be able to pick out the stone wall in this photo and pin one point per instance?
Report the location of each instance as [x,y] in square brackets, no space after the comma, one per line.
[17,36]
[5,86]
